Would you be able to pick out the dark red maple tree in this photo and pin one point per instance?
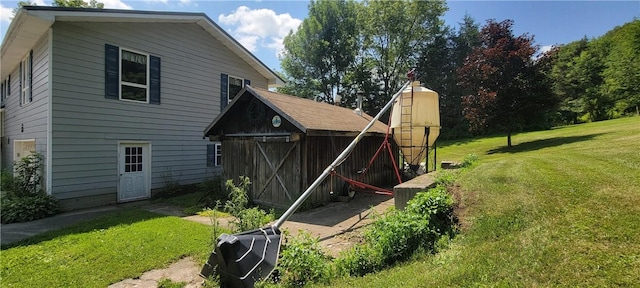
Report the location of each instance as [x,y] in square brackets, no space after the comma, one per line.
[508,88]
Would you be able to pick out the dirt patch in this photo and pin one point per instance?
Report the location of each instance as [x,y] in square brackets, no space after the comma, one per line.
[185,270]
[462,201]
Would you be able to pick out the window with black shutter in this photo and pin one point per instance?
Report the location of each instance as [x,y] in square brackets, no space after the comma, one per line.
[131,75]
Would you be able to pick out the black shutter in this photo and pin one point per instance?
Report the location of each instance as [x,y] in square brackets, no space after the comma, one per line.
[30,75]
[211,155]
[9,86]
[247,82]
[111,71]
[224,91]
[20,90]
[154,80]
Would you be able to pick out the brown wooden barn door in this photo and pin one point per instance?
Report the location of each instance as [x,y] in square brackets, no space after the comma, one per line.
[276,180]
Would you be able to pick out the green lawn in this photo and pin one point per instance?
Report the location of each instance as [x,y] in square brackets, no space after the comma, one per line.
[560,208]
[103,251]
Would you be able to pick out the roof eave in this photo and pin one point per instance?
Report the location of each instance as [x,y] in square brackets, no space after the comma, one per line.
[23,33]
[32,22]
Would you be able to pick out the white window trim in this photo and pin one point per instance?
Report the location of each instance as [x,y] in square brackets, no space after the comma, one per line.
[24,77]
[21,143]
[120,82]
[229,86]
[215,154]
[5,90]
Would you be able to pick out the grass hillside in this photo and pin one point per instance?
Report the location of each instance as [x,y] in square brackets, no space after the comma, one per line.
[560,208]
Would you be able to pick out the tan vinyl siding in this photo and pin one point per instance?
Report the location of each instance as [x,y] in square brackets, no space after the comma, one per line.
[87,127]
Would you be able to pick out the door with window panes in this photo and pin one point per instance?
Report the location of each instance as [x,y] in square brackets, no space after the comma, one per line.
[134,171]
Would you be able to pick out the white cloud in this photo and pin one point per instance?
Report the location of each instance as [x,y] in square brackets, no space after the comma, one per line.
[5,14]
[40,3]
[259,27]
[185,1]
[157,1]
[115,4]
[545,48]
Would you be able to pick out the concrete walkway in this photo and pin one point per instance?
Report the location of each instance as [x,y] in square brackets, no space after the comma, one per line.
[326,222]
[14,232]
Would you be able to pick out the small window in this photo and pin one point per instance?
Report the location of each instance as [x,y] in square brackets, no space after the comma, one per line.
[235,85]
[23,148]
[25,80]
[134,76]
[214,155]
[133,159]
[218,154]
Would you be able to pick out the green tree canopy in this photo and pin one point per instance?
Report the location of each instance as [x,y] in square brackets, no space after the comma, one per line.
[78,3]
[320,55]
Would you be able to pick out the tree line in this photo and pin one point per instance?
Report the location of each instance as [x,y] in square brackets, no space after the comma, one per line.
[489,80]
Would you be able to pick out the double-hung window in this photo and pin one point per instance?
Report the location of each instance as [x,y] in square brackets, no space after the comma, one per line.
[134,76]
[230,86]
[5,90]
[214,155]
[25,79]
[235,85]
[131,75]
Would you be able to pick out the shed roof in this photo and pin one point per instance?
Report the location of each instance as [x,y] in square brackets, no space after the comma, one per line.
[306,114]
[32,22]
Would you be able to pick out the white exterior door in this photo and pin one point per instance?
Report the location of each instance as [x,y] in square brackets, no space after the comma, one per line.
[134,168]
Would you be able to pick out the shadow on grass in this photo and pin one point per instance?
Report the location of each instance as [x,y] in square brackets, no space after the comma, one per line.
[542,143]
[125,216]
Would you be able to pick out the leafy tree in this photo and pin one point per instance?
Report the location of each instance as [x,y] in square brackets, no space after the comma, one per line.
[78,3]
[437,69]
[62,3]
[319,56]
[564,76]
[588,70]
[394,32]
[621,76]
[20,5]
[508,91]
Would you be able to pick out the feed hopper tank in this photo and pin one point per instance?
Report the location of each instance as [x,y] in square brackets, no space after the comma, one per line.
[415,120]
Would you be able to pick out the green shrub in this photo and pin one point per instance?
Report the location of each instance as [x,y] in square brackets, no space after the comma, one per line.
[171,187]
[469,160]
[399,234]
[251,218]
[167,283]
[301,262]
[212,191]
[244,218]
[6,181]
[27,208]
[445,178]
[436,205]
[22,196]
[27,176]
[359,261]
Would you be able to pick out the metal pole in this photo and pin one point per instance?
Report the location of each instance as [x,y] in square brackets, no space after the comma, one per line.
[336,162]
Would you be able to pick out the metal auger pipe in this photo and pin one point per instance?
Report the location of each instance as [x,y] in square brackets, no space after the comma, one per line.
[287,214]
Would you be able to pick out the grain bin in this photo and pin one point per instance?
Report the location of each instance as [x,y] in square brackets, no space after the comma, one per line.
[415,120]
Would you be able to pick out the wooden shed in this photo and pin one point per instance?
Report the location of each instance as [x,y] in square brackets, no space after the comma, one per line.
[283,143]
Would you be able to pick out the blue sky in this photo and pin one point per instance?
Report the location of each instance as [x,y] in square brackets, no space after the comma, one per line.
[261,25]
